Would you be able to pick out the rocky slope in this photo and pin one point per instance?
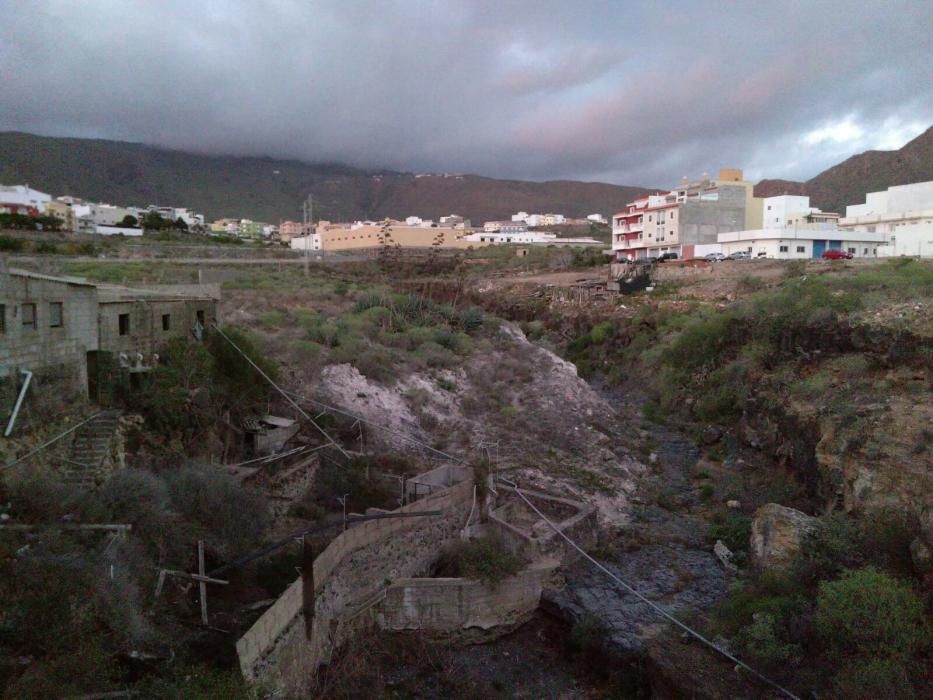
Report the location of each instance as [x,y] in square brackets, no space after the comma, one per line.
[520,405]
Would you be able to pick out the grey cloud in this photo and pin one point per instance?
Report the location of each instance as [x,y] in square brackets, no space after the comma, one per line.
[634,92]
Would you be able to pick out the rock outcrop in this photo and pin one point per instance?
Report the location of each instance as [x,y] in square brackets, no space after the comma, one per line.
[777,535]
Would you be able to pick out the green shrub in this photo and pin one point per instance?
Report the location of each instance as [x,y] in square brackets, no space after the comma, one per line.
[471,319]
[601,332]
[880,538]
[762,641]
[794,269]
[485,559]
[749,283]
[234,518]
[871,679]
[336,477]
[812,386]
[11,245]
[233,379]
[734,529]
[869,614]
[47,248]
[435,356]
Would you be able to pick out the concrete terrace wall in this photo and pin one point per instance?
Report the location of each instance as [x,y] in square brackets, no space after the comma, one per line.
[455,605]
[349,575]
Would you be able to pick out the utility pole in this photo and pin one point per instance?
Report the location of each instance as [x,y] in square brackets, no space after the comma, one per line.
[307,209]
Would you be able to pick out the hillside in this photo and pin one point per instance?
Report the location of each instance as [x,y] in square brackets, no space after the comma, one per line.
[266,189]
[871,171]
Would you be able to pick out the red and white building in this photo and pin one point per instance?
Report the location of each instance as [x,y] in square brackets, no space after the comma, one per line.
[22,199]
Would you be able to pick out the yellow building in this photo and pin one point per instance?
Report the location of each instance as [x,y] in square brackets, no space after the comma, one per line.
[63,211]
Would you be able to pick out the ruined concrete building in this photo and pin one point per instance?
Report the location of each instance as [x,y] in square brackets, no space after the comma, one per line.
[52,322]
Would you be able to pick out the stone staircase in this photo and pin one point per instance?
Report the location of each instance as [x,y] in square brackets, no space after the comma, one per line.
[91,450]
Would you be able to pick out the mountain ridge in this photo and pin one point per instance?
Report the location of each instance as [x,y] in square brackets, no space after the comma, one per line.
[270,189]
[871,171]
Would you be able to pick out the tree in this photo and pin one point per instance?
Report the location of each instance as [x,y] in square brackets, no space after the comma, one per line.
[153,222]
[181,224]
[50,223]
[129,221]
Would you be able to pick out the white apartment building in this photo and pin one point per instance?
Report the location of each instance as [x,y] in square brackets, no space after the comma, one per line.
[787,210]
[597,218]
[536,220]
[903,214]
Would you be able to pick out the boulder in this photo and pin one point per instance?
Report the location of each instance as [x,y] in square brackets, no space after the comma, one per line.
[777,534]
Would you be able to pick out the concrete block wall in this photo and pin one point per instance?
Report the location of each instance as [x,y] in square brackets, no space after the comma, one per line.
[145,333]
[454,605]
[41,345]
[356,565]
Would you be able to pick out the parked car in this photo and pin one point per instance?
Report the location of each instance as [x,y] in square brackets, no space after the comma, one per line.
[715,257]
[836,255]
[739,255]
[667,256]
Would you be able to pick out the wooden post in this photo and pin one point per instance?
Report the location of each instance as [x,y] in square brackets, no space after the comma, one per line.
[202,586]
[307,583]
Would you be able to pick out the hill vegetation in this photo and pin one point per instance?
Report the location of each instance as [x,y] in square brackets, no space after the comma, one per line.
[266,189]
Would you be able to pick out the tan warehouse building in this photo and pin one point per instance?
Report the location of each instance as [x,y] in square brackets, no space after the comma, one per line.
[336,237]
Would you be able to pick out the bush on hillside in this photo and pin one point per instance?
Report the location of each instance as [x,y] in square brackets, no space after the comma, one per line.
[868,614]
[234,518]
[485,559]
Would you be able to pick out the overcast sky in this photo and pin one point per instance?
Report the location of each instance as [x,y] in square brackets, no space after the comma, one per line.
[625,92]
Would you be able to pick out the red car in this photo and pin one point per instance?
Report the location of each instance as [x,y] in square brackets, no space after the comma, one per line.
[836,255]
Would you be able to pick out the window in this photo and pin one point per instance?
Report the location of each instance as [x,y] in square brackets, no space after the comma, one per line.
[29,316]
[166,322]
[864,251]
[124,322]
[783,248]
[769,207]
[672,215]
[851,251]
[200,315]
[801,249]
[649,218]
[55,314]
[2,318]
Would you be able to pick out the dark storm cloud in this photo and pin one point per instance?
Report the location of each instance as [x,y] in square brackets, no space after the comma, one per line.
[635,92]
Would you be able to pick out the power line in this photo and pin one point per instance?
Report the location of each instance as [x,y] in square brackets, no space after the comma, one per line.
[281,391]
[361,419]
[657,608]
[573,544]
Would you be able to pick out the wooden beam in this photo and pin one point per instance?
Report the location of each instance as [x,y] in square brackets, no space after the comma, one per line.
[202,586]
[307,583]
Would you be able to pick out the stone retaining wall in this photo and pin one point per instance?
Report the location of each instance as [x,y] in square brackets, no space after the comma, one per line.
[355,567]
